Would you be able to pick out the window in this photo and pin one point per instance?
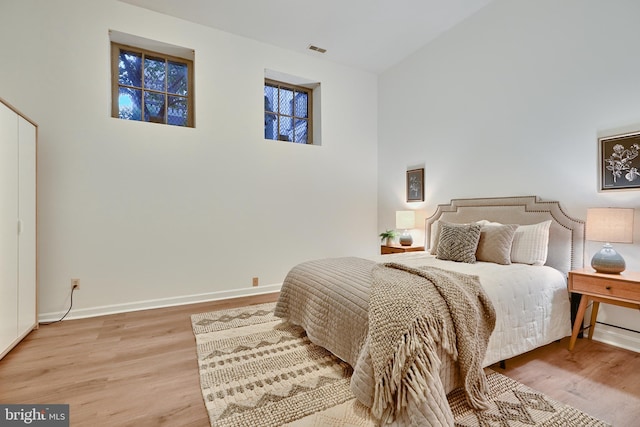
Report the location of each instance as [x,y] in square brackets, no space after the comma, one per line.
[287,112]
[150,86]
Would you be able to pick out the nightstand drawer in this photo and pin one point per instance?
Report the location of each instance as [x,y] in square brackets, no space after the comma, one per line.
[608,288]
[392,249]
[595,288]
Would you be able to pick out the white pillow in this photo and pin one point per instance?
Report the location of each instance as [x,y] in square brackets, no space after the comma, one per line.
[530,244]
[484,222]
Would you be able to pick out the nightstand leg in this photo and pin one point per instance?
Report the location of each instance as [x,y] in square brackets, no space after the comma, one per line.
[577,325]
[594,316]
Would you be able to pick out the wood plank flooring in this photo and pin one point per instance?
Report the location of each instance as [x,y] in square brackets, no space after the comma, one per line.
[140,369]
[597,378]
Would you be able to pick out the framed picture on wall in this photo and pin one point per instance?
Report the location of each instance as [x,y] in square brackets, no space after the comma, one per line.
[415,185]
[620,162]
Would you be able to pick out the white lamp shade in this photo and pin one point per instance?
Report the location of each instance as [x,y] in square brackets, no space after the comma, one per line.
[610,225]
[405,219]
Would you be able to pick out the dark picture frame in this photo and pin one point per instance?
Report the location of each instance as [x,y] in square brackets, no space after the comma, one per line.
[415,185]
[619,158]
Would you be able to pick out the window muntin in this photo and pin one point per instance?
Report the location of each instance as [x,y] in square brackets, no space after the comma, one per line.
[287,112]
[152,87]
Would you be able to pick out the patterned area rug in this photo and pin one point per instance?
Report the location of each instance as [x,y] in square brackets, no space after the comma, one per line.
[257,371]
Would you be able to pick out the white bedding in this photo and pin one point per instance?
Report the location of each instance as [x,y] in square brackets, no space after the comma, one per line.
[531,302]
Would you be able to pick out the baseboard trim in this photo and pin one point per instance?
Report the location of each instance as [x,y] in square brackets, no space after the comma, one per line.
[157,303]
[603,333]
[617,337]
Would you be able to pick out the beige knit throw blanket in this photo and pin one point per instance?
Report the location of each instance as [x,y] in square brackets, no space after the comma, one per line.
[411,312]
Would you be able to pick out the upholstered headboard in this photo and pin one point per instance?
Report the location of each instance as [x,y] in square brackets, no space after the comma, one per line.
[566,234]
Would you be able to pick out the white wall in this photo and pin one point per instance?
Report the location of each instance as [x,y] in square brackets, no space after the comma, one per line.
[146,214]
[512,102]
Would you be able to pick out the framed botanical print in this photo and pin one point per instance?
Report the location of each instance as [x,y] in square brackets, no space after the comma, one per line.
[415,185]
[619,162]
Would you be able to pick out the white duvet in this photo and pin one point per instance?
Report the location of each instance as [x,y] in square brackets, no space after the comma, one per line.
[325,296]
[531,302]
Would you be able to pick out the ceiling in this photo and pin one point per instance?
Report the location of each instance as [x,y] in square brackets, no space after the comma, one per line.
[372,35]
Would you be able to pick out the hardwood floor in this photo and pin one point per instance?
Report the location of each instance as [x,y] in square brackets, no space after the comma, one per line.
[140,369]
[135,368]
[597,378]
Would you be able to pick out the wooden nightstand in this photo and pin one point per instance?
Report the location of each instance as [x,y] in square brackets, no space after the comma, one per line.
[618,289]
[397,249]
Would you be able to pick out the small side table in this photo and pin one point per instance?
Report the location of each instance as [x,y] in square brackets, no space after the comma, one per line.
[617,289]
[398,249]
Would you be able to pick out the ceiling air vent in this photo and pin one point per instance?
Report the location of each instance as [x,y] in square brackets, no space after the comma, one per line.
[317,49]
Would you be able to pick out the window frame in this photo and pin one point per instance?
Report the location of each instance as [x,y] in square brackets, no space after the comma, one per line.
[116,48]
[296,88]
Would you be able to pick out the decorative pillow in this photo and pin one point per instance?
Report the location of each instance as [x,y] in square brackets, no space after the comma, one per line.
[458,242]
[436,236]
[495,243]
[530,243]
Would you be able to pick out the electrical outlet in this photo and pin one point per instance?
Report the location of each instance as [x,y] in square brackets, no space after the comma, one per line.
[75,284]
[255,281]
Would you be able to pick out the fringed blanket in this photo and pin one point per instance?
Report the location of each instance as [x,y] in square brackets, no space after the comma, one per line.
[333,300]
[411,312]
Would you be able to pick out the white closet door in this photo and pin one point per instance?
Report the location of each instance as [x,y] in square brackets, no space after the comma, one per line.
[27,218]
[8,226]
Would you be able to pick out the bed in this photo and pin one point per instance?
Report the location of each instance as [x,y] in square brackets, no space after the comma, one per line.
[337,301]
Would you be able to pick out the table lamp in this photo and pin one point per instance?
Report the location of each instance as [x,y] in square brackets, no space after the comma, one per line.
[609,225]
[405,220]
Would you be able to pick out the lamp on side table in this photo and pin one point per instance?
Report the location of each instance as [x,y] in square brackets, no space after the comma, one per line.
[405,220]
[609,225]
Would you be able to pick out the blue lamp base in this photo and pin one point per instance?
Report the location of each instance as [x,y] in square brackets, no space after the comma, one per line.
[608,261]
[406,239]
